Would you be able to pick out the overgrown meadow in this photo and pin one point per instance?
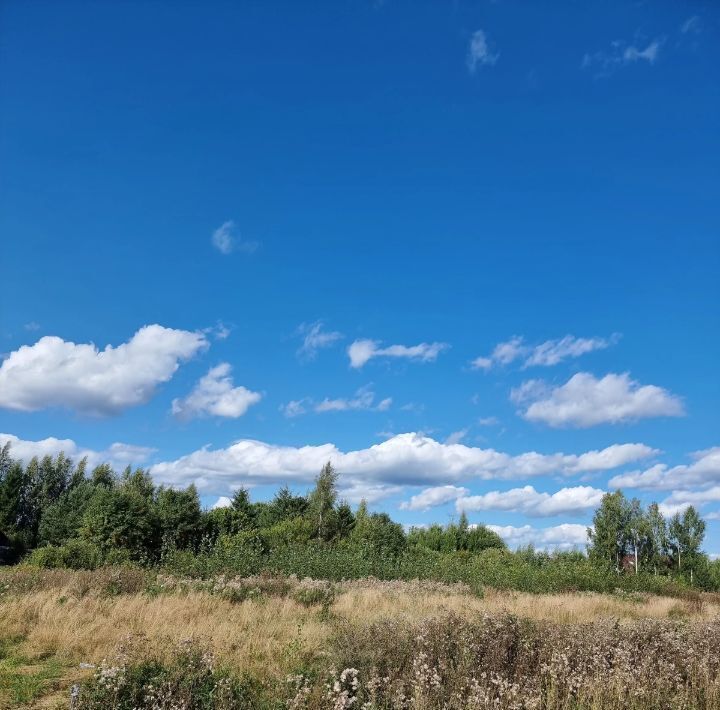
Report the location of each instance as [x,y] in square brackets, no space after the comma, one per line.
[125,595]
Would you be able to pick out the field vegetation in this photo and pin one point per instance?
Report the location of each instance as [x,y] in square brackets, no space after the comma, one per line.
[126,595]
[152,640]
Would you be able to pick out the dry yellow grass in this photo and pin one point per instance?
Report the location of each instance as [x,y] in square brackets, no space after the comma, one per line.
[267,636]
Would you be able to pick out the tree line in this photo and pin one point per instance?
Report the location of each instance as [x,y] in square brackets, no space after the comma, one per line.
[59,512]
[628,536]
[51,502]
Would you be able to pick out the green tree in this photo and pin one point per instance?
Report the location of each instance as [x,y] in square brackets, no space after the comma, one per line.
[139,481]
[482,538]
[244,513]
[609,535]
[639,534]
[179,516]
[61,521]
[321,502]
[120,519]
[378,534]
[284,506]
[658,537]
[11,493]
[103,475]
[686,533]
[344,520]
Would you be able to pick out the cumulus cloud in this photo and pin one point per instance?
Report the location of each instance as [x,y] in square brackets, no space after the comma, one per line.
[559,537]
[364,399]
[620,54]
[404,459]
[431,497]
[314,339]
[703,471]
[479,53]
[58,373]
[678,501]
[118,454]
[216,395]
[528,501]
[550,352]
[226,240]
[222,502]
[355,491]
[361,351]
[585,401]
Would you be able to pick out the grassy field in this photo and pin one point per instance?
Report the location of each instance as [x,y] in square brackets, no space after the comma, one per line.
[272,642]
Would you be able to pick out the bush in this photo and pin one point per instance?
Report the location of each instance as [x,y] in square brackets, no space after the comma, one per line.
[138,680]
[45,557]
[81,554]
[311,592]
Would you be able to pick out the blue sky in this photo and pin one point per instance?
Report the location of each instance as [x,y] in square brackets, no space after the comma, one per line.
[271,187]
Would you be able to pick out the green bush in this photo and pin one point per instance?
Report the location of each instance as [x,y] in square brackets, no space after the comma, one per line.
[81,554]
[45,557]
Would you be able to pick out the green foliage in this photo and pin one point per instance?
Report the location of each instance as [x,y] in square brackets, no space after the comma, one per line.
[83,522]
[455,538]
[377,534]
[321,503]
[75,554]
[120,518]
[179,516]
[62,519]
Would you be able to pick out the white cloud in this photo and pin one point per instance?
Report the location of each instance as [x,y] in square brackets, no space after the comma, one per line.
[488,421]
[457,436]
[226,241]
[215,394]
[222,502]
[552,352]
[679,500]
[502,354]
[364,399]
[479,53]
[294,408]
[404,459]
[118,454]
[562,537]
[358,490]
[221,331]
[431,497]
[315,339]
[704,471]
[548,353]
[57,373]
[361,351]
[585,401]
[530,502]
[32,326]
[622,54]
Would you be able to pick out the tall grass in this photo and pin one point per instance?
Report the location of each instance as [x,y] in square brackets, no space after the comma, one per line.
[274,641]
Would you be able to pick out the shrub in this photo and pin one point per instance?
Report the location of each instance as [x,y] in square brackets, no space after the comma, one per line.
[142,680]
[311,592]
[80,554]
[48,557]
